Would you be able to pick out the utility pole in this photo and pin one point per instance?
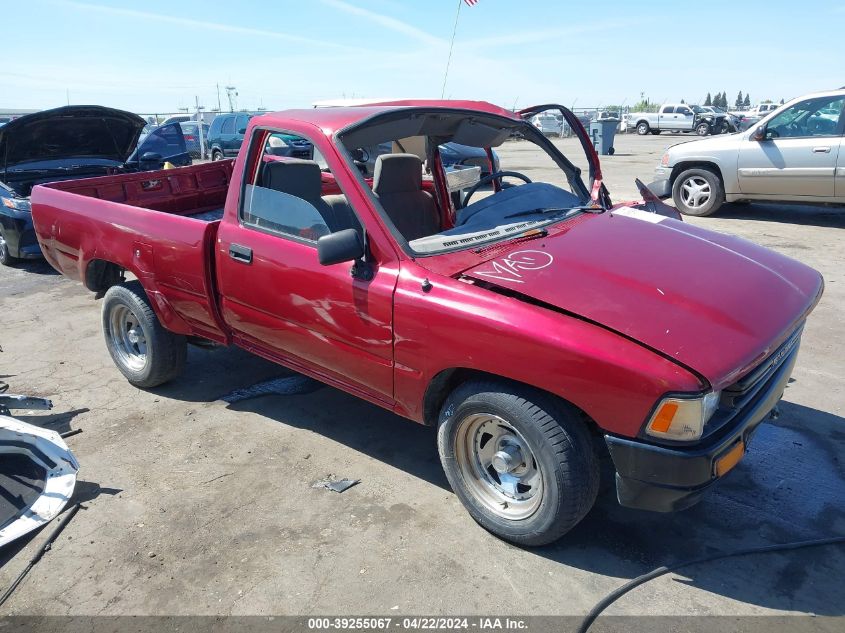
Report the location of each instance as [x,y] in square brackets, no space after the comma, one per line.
[218,97]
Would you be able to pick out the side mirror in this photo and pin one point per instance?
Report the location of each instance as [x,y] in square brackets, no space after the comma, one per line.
[759,134]
[242,130]
[339,247]
[150,156]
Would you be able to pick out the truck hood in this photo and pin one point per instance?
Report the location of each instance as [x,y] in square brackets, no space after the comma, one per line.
[714,303]
[77,132]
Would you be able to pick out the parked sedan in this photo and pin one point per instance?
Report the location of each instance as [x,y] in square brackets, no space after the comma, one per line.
[793,155]
[66,144]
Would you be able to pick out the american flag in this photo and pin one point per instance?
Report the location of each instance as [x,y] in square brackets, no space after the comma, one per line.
[471,3]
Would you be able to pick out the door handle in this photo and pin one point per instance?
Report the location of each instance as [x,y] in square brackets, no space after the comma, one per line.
[821,150]
[240,253]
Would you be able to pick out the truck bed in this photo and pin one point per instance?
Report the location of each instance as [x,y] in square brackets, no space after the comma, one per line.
[160,226]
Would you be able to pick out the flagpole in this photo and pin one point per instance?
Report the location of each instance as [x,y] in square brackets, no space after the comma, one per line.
[451,45]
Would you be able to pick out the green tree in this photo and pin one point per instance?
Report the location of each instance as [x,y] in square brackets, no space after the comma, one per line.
[739,101]
[682,101]
[724,101]
[708,101]
[747,102]
[782,101]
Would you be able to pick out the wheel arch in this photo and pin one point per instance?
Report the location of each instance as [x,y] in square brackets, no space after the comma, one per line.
[101,274]
[447,380]
[684,165]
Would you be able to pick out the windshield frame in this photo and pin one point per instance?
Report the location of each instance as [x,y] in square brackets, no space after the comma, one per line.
[572,172]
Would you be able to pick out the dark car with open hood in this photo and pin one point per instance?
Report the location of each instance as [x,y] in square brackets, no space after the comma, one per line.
[69,143]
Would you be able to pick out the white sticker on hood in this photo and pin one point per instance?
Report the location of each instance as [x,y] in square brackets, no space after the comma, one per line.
[638,214]
[510,268]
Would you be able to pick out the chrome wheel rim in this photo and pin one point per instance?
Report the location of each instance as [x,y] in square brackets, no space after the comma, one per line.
[499,466]
[3,247]
[128,338]
[695,192]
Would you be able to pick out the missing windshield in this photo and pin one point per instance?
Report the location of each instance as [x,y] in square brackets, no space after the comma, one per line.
[420,161]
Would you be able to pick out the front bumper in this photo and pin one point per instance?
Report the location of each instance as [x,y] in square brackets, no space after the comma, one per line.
[666,479]
[20,237]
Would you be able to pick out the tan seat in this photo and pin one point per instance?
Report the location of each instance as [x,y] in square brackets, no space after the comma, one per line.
[397,183]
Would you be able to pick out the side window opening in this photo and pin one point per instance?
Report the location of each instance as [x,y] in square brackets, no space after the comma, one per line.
[228,126]
[292,194]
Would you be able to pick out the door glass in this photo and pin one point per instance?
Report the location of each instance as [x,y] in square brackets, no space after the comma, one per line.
[668,110]
[286,194]
[166,141]
[812,117]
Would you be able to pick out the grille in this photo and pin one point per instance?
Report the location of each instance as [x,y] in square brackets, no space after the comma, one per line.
[744,393]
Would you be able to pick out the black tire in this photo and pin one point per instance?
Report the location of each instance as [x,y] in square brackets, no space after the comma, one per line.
[702,129]
[694,177]
[656,132]
[217,155]
[642,128]
[161,355]
[559,447]
[611,151]
[6,257]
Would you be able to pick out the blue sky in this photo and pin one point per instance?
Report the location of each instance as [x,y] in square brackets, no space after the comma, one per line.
[156,55]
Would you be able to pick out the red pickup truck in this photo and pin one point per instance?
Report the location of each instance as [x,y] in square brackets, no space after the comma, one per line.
[534,323]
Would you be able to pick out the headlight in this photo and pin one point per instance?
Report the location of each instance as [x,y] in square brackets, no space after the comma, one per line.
[683,419]
[18,204]
[664,160]
[276,142]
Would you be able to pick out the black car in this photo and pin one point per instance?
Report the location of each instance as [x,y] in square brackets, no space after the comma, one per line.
[226,134]
[66,144]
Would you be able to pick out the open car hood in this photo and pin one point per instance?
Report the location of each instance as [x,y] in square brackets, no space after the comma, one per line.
[714,303]
[70,132]
[37,477]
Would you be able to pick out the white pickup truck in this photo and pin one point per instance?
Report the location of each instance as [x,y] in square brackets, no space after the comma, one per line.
[676,117]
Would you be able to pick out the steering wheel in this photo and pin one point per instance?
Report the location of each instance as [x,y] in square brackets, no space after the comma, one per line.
[489,178]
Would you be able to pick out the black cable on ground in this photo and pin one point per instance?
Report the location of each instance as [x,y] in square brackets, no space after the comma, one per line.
[70,433]
[614,595]
[62,521]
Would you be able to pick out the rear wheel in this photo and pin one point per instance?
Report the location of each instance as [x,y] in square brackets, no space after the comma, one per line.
[698,192]
[217,155]
[144,352]
[6,257]
[642,128]
[521,462]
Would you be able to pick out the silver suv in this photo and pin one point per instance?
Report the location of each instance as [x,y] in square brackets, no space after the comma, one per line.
[792,155]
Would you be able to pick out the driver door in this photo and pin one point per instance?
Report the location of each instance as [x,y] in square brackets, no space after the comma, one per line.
[797,159]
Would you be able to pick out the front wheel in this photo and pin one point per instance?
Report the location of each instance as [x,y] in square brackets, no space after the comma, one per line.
[144,352]
[702,129]
[521,462]
[698,192]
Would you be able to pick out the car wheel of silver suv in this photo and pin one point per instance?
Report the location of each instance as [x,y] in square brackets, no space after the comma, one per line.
[698,192]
